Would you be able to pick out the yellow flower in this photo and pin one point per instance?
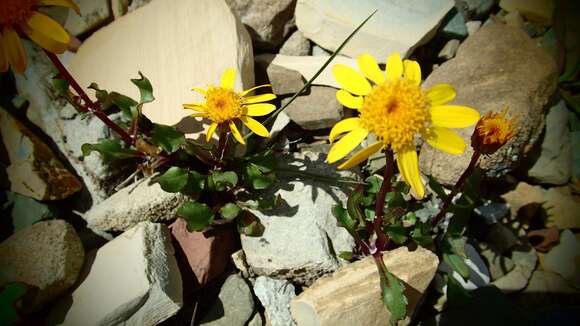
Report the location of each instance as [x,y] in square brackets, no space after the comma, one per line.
[22,17]
[224,106]
[492,131]
[395,109]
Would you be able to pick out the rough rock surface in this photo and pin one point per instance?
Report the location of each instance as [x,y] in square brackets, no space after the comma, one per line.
[564,258]
[351,296]
[268,21]
[305,222]
[523,198]
[496,67]
[536,10]
[296,44]
[318,109]
[93,14]
[133,280]
[141,201]
[396,26]
[34,168]
[234,306]
[48,255]
[562,207]
[525,260]
[176,47]
[275,296]
[284,81]
[554,164]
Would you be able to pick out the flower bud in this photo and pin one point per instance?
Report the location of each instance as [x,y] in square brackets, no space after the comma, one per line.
[492,131]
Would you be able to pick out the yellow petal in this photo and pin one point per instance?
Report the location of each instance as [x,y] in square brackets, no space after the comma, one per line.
[342,127]
[236,133]
[445,140]
[409,167]
[346,144]
[248,91]
[255,126]
[351,80]
[369,67]
[259,109]
[13,50]
[228,78]
[210,131]
[361,155]
[394,66]
[3,58]
[440,94]
[412,71]
[47,33]
[63,3]
[453,116]
[199,107]
[198,115]
[259,98]
[347,99]
[199,90]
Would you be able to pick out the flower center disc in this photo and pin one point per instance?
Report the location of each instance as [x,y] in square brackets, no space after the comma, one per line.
[395,111]
[16,12]
[223,104]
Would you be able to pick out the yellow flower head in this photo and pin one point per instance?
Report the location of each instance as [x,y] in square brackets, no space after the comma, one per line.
[22,17]
[394,108]
[492,131]
[224,106]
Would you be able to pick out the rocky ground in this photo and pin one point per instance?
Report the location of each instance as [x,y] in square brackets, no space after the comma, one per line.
[99,254]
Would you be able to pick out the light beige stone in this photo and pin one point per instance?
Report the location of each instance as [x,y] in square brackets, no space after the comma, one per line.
[523,195]
[48,255]
[34,169]
[563,208]
[536,10]
[177,45]
[351,296]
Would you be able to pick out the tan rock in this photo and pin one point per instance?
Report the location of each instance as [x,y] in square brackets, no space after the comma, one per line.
[536,10]
[524,195]
[318,109]
[563,208]
[177,45]
[351,296]
[34,169]
[48,255]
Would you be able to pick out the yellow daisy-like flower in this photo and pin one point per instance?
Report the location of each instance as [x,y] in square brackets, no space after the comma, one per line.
[395,109]
[21,17]
[223,106]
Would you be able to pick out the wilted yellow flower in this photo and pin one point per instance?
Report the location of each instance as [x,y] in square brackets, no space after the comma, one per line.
[22,17]
[224,106]
[492,131]
[395,109]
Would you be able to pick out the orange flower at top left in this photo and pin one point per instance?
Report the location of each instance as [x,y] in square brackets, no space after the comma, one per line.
[22,18]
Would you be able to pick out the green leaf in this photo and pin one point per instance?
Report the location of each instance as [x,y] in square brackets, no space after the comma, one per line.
[370,214]
[101,95]
[61,86]
[10,294]
[223,180]
[457,245]
[230,211]
[110,150]
[258,180]
[346,255]
[343,218]
[353,206]
[145,88]
[197,215]
[457,263]
[395,199]
[126,104]
[265,161]
[437,188]
[195,183]
[410,219]
[174,179]
[167,137]
[421,234]
[393,294]
[396,232]
[249,224]
[264,204]
[401,187]
[373,185]
[456,294]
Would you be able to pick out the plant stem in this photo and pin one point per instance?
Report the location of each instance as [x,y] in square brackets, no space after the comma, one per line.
[458,187]
[92,107]
[222,143]
[382,239]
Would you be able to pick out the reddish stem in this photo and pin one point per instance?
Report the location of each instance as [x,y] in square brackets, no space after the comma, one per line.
[382,239]
[95,109]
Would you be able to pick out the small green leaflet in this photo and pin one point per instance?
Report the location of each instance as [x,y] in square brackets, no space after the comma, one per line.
[174,179]
[145,88]
[393,294]
[197,215]
[110,150]
[230,211]
[167,137]
[344,219]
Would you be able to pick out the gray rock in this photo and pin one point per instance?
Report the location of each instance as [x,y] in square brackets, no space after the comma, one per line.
[455,27]
[317,110]
[497,264]
[554,165]
[305,222]
[268,21]
[94,13]
[132,280]
[473,26]
[141,201]
[318,51]
[296,44]
[234,306]
[122,7]
[275,296]
[498,66]
[492,212]
[48,255]
[548,289]
[257,320]
[525,259]
[283,80]
[448,51]
[475,8]
[501,238]
[563,258]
